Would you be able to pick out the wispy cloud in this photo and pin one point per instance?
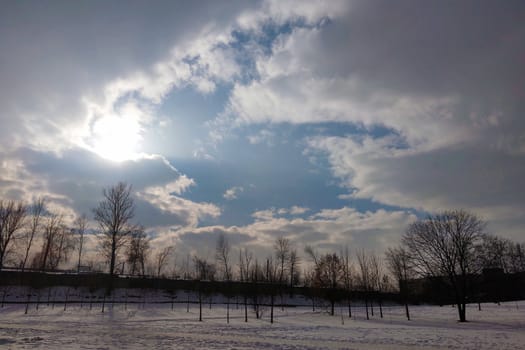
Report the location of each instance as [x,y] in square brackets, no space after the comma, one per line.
[328,230]
[190,212]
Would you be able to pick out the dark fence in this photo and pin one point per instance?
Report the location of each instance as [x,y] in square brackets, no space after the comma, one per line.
[491,286]
[96,281]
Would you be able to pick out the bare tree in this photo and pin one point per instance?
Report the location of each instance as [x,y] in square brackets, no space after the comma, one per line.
[64,245]
[348,277]
[52,228]
[175,267]
[12,215]
[203,269]
[256,272]
[137,251]
[313,254]
[114,214]
[282,254]
[500,253]
[377,280]
[186,271]
[161,258]
[271,277]
[35,211]
[399,264]
[517,257]
[444,245]
[222,255]
[270,271]
[365,277]
[293,263]
[328,273]
[80,230]
[57,243]
[245,260]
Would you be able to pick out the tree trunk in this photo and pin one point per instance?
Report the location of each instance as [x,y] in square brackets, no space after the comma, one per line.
[271,310]
[79,256]
[112,261]
[26,256]
[245,308]
[228,311]
[200,306]
[462,312]
[256,307]
[1,258]
[46,253]
[366,308]
[3,297]
[460,301]
[65,301]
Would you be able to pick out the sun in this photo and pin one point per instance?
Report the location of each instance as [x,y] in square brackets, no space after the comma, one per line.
[116,138]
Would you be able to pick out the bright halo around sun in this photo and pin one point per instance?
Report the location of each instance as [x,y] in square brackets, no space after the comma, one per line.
[116,138]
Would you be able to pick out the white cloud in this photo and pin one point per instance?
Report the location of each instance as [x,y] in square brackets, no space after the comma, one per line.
[296,210]
[179,186]
[261,136]
[282,11]
[201,59]
[327,230]
[292,89]
[482,180]
[454,130]
[233,193]
[180,45]
[262,215]
[18,183]
[162,198]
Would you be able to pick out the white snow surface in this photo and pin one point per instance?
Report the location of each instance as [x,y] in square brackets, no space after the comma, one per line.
[158,326]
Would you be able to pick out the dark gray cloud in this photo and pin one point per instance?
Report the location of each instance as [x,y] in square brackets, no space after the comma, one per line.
[471,51]
[440,48]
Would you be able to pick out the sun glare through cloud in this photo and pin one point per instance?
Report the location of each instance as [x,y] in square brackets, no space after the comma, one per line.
[116,138]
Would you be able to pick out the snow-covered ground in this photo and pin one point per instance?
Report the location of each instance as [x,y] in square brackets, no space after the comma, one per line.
[157,326]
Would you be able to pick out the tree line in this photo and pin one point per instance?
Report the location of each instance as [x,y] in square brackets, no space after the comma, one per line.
[451,245]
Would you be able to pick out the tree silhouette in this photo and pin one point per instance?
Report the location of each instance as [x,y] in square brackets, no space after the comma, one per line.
[444,245]
[113,215]
[12,215]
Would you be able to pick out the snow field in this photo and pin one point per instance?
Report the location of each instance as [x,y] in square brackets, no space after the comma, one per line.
[139,325]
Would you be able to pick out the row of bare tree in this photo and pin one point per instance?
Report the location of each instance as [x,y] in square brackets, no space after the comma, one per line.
[452,245]
[24,226]
[32,236]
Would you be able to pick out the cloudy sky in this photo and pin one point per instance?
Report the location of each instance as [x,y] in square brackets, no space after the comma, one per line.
[329,122]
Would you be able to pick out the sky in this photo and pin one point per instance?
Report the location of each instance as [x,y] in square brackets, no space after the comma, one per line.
[332,123]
